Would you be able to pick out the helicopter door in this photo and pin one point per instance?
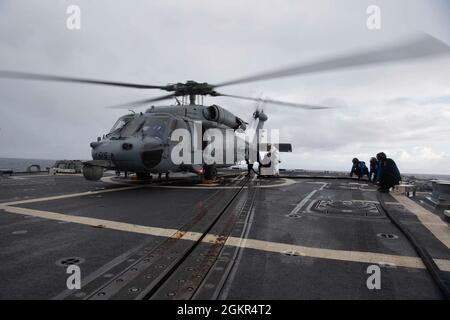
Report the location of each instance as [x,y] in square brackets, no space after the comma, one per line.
[196,131]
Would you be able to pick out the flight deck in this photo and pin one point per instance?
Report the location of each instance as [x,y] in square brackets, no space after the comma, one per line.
[290,237]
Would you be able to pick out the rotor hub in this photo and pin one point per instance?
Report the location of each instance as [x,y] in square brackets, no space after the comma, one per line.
[192,88]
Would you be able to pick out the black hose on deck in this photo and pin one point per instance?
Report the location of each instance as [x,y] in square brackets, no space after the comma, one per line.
[428,261]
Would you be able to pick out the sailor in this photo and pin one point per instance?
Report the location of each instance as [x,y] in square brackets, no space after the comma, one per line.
[270,164]
[373,173]
[275,159]
[388,173]
[359,168]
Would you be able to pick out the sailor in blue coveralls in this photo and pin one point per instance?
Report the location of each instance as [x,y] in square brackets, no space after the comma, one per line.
[359,168]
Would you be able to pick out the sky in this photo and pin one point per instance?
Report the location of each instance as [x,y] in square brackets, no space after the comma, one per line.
[402,109]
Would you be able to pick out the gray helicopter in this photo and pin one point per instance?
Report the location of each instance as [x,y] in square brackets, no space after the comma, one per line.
[141,142]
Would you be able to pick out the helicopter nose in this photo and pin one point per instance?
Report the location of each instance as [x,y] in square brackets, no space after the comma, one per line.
[95,144]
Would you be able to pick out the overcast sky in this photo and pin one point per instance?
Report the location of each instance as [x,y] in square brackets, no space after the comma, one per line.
[402,109]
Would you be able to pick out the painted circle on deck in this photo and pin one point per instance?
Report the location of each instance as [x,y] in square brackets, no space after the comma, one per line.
[276,183]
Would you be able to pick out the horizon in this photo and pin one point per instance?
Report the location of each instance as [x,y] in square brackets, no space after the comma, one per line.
[281,167]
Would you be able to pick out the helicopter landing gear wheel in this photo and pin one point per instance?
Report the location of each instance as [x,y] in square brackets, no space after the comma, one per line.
[143,175]
[210,172]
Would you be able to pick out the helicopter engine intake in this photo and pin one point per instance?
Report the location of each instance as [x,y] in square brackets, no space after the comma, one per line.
[222,116]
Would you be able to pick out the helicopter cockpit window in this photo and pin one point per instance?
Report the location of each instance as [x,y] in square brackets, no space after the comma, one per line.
[120,123]
[155,127]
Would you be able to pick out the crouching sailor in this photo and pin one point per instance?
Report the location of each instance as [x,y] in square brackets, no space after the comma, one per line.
[388,173]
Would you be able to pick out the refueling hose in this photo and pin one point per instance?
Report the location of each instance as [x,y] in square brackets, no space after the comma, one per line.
[428,261]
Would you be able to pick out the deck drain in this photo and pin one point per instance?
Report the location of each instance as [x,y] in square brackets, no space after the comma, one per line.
[64,262]
[293,253]
[387,265]
[387,236]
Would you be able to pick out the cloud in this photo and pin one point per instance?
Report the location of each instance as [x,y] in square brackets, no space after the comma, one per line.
[400,108]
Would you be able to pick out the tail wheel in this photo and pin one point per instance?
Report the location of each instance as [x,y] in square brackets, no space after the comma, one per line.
[211,172]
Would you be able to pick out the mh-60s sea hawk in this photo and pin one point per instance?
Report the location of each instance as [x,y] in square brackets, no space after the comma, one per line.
[141,143]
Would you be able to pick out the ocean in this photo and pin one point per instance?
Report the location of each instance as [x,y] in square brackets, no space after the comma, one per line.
[22,164]
[17,164]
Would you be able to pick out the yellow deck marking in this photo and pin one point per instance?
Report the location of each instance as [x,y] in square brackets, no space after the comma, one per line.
[431,221]
[267,246]
[162,232]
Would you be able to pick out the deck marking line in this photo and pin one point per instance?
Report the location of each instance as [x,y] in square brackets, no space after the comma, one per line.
[155,231]
[71,195]
[431,221]
[261,245]
[285,182]
[306,199]
[302,203]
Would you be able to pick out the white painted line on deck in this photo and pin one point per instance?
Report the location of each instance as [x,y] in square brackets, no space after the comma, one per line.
[300,205]
[71,195]
[431,221]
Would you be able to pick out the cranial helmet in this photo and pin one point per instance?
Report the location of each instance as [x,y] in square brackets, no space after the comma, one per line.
[381,156]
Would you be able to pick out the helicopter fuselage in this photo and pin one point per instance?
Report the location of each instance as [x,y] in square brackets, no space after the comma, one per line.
[143,142]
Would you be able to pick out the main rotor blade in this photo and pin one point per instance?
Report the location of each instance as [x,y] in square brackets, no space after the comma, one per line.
[282,103]
[419,47]
[139,103]
[43,77]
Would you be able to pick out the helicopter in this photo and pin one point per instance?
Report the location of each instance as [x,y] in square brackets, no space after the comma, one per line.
[141,142]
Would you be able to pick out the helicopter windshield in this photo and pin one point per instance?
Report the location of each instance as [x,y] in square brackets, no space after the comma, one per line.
[121,123]
[155,127]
